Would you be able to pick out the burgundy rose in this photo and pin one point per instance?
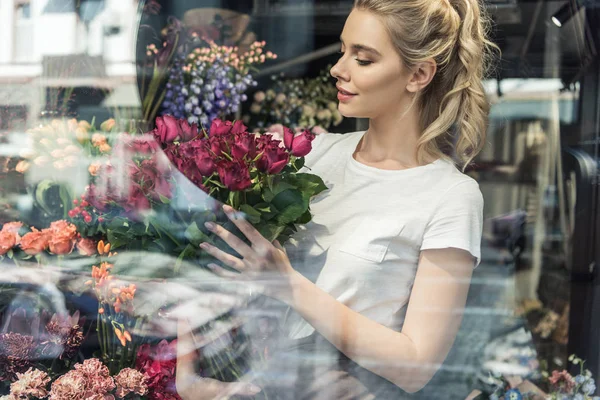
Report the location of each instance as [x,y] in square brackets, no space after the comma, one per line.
[167,129]
[235,175]
[273,160]
[299,145]
[219,127]
[188,132]
[137,200]
[239,127]
[145,145]
[244,145]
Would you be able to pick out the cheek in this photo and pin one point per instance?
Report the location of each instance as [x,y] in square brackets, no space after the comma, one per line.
[381,85]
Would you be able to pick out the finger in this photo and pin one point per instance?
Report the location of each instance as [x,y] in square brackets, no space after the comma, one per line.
[225,258]
[222,272]
[186,349]
[246,228]
[233,241]
[279,246]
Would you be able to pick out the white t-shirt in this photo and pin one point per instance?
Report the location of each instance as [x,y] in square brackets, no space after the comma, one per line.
[363,243]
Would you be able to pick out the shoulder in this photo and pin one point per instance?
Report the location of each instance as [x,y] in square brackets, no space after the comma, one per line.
[455,186]
[325,143]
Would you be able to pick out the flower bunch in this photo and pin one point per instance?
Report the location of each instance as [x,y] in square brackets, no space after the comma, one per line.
[157,363]
[564,385]
[60,144]
[59,239]
[305,103]
[132,178]
[211,82]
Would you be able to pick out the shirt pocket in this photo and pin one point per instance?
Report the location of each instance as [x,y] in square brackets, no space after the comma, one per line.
[371,238]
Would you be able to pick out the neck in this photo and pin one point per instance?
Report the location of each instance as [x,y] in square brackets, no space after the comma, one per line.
[392,138]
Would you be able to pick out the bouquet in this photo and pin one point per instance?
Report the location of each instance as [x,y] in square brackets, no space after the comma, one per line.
[192,76]
[561,385]
[147,193]
[211,82]
[297,103]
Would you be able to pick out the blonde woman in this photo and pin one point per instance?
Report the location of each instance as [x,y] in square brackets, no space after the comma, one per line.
[379,279]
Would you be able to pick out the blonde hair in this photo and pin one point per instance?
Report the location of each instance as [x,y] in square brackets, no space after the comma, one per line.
[454,33]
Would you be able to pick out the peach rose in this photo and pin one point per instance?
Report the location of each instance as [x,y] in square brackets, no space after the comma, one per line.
[34,242]
[93,168]
[7,242]
[86,247]
[62,236]
[104,148]
[61,244]
[12,227]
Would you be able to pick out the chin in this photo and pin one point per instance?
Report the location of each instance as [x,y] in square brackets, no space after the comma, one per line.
[351,112]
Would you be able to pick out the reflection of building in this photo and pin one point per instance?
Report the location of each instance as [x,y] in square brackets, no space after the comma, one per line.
[70,44]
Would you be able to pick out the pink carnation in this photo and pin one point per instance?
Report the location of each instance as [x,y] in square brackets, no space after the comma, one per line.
[32,383]
[89,380]
[130,381]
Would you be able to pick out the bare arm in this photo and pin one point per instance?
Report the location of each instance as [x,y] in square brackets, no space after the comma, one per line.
[410,358]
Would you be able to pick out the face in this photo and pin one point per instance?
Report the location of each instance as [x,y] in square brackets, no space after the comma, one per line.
[371,78]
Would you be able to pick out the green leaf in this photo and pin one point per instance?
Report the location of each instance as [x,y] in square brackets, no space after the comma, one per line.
[292,205]
[252,215]
[270,231]
[164,199]
[308,183]
[10,253]
[282,186]
[268,195]
[196,236]
[305,218]
[299,163]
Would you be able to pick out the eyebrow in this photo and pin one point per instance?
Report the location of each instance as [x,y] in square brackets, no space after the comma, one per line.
[362,47]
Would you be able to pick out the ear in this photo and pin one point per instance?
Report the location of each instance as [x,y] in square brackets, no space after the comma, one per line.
[422,74]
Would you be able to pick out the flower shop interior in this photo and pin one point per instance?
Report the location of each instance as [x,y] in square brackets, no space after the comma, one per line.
[73,73]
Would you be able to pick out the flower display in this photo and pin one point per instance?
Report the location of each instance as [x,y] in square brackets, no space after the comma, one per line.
[301,102]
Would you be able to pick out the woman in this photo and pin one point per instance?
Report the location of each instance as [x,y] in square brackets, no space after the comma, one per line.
[393,243]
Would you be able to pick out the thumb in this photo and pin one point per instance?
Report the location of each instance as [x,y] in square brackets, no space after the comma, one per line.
[278,246]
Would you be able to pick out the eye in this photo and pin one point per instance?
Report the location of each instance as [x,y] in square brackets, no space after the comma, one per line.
[363,63]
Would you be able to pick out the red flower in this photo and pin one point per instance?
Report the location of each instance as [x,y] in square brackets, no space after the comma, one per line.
[167,129]
[220,127]
[188,132]
[137,200]
[235,175]
[274,159]
[244,145]
[199,152]
[158,364]
[299,145]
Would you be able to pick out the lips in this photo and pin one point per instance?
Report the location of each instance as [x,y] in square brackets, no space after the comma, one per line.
[345,92]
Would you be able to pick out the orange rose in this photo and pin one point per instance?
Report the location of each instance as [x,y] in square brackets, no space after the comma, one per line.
[62,227]
[61,243]
[34,242]
[12,227]
[86,247]
[7,241]
[62,236]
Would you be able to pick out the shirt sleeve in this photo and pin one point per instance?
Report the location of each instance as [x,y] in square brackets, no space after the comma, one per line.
[457,221]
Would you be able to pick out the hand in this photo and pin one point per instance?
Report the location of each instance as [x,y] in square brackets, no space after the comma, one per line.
[262,261]
[190,385]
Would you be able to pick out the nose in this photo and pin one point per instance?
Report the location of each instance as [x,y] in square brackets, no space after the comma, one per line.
[339,72]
